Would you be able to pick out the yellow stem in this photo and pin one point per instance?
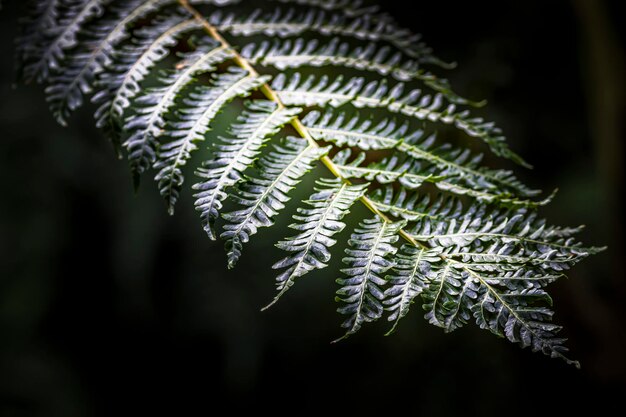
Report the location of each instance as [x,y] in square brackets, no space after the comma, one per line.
[296,123]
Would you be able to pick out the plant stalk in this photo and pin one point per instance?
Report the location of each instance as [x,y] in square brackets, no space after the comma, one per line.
[296,123]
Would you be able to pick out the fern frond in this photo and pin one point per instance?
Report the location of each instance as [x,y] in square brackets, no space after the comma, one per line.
[409,278]
[132,65]
[317,225]
[284,23]
[449,298]
[514,314]
[388,170]
[413,206]
[75,77]
[486,264]
[458,170]
[192,121]
[377,26]
[321,91]
[264,196]
[157,102]
[384,60]
[161,71]
[42,17]
[371,246]
[344,129]
[493,266]
[55,30]
[232,156]
[412,174]
[516,231]
[50,51]
[354,26]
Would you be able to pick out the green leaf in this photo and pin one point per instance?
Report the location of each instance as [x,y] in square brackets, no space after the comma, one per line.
[369,258]
[408,278]
[474,247]
[156,103]
[317,224]
[263,197]
[191,123]
[322,91]
[233,155]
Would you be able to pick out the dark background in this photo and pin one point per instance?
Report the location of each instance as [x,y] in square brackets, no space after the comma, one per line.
[108,306]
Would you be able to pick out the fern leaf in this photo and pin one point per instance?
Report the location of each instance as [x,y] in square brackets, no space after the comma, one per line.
[282,23]
[62,36]
[468,175]
[449,298]
[378,27]
[371,246]
[384,60]
[409,277]
[56,29]
[256,125]
[414,206]
[192,122]
[388,170]
[157,102]
[76,77]
[458,170]
[506,303]
[494,264]
[43,17]
[321,91]
[345,129]
[476,248]
[514,231]
[263,197]
[419,174]
[515,313]
[317,225]
[132,65]
[325,22]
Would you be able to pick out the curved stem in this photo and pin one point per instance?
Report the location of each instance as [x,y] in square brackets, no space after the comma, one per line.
[296,123]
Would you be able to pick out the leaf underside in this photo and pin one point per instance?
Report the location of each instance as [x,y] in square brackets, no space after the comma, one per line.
[344,87]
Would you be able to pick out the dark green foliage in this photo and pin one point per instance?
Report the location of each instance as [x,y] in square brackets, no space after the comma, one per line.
[473,247]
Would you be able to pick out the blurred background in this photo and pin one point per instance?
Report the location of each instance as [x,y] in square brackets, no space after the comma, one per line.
[108,306]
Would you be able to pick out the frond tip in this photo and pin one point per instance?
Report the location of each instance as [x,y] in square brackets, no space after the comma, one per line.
[167,77]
